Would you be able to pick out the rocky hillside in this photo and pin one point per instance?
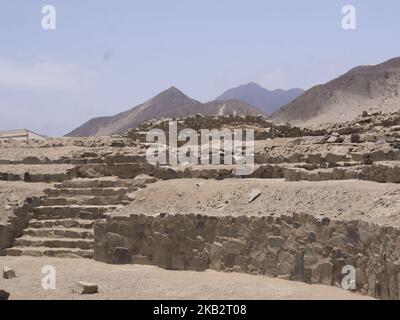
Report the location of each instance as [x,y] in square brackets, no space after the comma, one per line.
[266,100]
[167,104]
[364,88]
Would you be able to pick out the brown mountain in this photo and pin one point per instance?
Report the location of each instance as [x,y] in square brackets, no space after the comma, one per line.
[167,104]
[266,100]
[364,88]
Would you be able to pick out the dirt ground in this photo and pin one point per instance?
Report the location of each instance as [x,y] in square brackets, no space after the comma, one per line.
[12,193]
[348,199]
[129,282]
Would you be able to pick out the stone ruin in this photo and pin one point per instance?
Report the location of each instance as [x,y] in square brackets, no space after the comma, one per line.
[92,183]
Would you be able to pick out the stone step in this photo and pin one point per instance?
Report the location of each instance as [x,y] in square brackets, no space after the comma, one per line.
[59,232]
[50,252]
[86,200]
[92,183]
[124,158]
[27,241]
[73,192]
[296,174]
[66,223]
[70,212]
[123,171]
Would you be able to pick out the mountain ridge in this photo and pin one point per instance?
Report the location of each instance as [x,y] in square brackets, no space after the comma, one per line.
[167,104]
[368,88]
[266,100]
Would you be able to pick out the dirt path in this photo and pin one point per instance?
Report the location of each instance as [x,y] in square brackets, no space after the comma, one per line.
[147,282]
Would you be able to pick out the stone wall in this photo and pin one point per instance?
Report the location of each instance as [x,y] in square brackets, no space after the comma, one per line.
[264,128]
[16,223]
[383,172]
[298,247]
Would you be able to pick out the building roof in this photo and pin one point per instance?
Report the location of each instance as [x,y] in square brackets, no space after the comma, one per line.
[12,134]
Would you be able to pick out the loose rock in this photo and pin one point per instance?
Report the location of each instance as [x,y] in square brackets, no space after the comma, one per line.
[85,288]
[253,195]
[8,273]
[4,295]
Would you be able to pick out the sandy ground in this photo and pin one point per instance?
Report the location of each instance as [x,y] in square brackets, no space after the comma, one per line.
[349,199]
[12,193]
[147,282]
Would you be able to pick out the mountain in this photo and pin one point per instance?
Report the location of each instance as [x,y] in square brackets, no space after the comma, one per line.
[364,88]
[223,108]
[167,104]
[265,100]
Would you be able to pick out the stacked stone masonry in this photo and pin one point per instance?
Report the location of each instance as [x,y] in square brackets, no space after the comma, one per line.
[299,247]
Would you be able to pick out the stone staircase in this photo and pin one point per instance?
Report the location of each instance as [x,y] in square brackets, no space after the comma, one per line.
[62,226]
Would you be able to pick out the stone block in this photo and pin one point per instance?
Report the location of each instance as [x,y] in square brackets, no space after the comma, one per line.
[234,246]
[8,273]
[276,242]
[85,288]
[121,255]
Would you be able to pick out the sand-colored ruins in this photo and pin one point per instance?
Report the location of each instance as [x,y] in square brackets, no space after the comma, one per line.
[319,199]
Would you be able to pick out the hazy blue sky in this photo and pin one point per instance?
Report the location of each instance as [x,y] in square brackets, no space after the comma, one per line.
[107,56]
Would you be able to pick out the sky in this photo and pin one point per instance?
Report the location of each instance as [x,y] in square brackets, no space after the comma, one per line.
[105,57]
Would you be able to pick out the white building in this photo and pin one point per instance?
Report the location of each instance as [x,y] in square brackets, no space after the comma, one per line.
[20,135]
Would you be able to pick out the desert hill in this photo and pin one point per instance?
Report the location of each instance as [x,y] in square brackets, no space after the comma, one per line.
[167,104]
[364,88]
[266,100]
